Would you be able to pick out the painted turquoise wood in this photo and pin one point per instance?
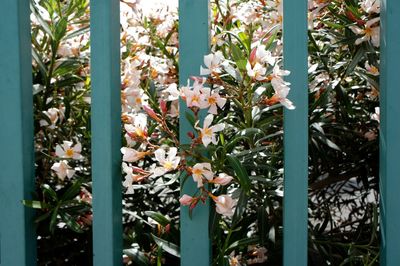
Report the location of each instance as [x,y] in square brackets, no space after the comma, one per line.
[17,231]
[193,45]
[296,134]
[106,133]
[390,133]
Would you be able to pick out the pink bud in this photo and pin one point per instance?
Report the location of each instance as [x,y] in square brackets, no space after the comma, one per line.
[150,112]
[163,106]
[252,58]
[190,134]
[186,200]
[223,179]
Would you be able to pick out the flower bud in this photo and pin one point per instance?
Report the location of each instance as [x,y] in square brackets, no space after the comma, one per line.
[186,200]
[163,106]
[191,135]
[151,112]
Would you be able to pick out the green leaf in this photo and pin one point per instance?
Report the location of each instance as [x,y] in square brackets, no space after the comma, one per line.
[39,61]
[45,26]
[158,217]
[243,243]
[238,57]
[262,224]
[73,190]
[49,192]
[240,207]
[53,219]
[240,172]
[189,116]
[78,32]
[60,29]
[245,41]
[71,222]
[67,66]
[356,59]
[36,204]
[168,247]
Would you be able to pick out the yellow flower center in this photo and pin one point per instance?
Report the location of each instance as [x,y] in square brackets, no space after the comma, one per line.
[197,171]
[207,132]
[168,165]
[212,100]
[195,98]
[374,70]
[368,32]
[69,152]
[139,132]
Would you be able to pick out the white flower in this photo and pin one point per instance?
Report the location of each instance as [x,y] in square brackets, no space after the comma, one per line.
[278,73]
[370,33]
[135,98]
[222,179]
[373,70]
[211,100]
[168,163]
[281,92]
[225,205]
[192,95]
[52,114]
[132,155]
[259,253]
[234,260]
[200,171]
[62,170]
[376,116]
[261,55]
[371,6]
[207,133]
[213,63]
[256,72]
[173,92]
[66,150]
[138,129]
[130,178]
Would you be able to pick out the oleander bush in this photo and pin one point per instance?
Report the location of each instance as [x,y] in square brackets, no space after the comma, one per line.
[233,151]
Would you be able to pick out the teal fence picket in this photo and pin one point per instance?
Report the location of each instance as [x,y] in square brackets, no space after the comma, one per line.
[390,133]
[193,45]
[17,229]
[296,134]
[106,133]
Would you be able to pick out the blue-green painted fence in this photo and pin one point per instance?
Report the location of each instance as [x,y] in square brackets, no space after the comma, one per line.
[193,45]
[17,237]
[106,132]
[296,134]
[390,132]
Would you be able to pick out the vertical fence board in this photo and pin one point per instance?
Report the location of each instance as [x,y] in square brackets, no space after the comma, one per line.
[17,232]
[390,133]
[106,133]
[296,134]
[193,45]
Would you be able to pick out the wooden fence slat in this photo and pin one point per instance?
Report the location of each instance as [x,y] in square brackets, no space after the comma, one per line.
[106,133]
[296,134]
[390,133]
[193,45]
[17,230]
